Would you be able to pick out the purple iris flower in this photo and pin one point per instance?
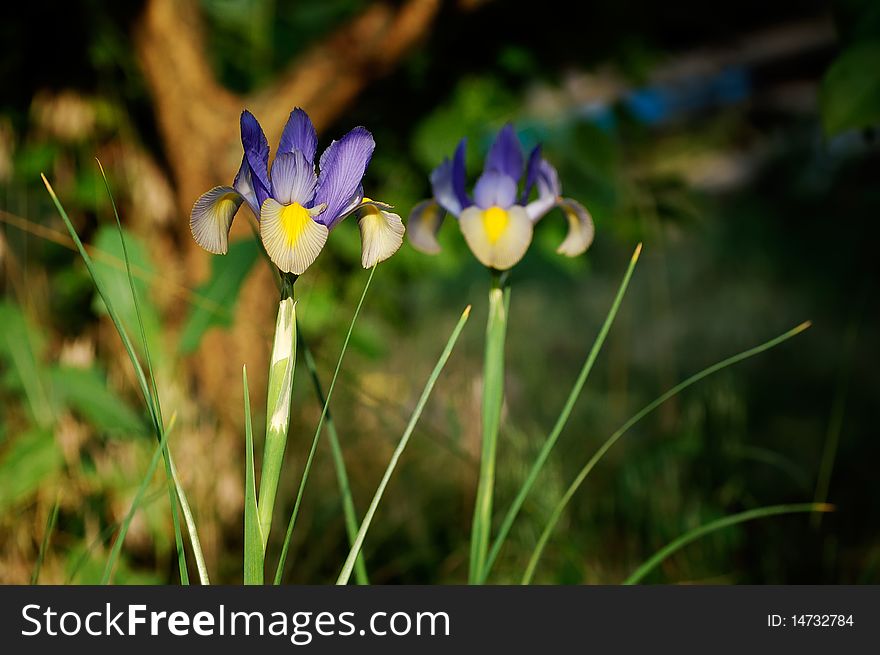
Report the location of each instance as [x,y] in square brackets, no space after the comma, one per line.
[295,206]
[497,222]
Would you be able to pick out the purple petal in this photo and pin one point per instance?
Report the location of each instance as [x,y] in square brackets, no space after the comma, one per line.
[531,173]
[495,189]
[448,182]
[256,151]
[549,190]
[299,134]
[343,165]
[505,155]
[245,186]
[293,178]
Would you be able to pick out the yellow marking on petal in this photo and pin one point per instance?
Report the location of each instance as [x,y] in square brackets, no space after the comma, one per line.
[495,222]
[294,220]
[381,235]
[293,239]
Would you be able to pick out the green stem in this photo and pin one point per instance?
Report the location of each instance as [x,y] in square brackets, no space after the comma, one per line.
[347,568]
[279,571]
[719,524]
[552,438]
[638,416]
[277,408]
[493,399]
[348,509]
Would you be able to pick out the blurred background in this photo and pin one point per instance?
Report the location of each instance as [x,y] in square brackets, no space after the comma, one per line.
[737,140]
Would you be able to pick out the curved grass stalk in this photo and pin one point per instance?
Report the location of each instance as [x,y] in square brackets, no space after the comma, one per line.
[347,568]
[138,369]
[123,530]
[253,538]
[348,509]
[719,524]
[638,416]
[279,571]
[561,422]
[493,401]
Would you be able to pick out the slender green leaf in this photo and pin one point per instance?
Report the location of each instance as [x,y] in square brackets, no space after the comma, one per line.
[129,349]
[561,422]
[135,504]
[279,571]
[156,410]
[347,568]
[719,524]
[638,416]
[351,521]
[253,540]
[44,543]
[219,293]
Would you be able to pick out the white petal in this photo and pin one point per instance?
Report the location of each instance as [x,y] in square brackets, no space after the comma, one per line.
[293,239]
[498,240]
[211,217]
[424,224]
[381,235]
[580,228]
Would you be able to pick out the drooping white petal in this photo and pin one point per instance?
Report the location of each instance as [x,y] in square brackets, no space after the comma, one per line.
[381,235]
[293,239]
[211,218]
[423,225]
[580,228]
[498,237]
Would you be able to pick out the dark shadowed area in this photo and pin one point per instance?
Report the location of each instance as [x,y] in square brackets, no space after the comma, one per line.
[736,140]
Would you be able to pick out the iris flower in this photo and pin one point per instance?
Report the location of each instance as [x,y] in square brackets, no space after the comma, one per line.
[497,222]
[295,207]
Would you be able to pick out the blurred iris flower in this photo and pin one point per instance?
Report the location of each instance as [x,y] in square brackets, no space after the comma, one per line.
[295,207]
[497,223]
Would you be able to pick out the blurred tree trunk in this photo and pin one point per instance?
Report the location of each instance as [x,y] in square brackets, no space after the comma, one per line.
[198,118]
[198,122]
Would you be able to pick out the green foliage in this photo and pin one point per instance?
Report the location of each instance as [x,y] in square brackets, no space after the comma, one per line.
[86,391]
[30,462]
[850,95]
[217,297]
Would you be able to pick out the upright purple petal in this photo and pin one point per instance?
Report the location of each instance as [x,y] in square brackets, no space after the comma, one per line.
[448,182]
[245,186]
[495,189]
[299,134]
[342,165]
[293,178]
[549,190]
[505,155]
[256,151]
[531,173]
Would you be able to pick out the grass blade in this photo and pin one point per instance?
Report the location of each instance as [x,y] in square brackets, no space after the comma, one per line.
[156,412]
[44,543]
[279,571]
[561,422]
[493,400]
[129,349]
[253,538]
[345,574]
[123,529]
[351,520]
[638,416]
[719,524]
